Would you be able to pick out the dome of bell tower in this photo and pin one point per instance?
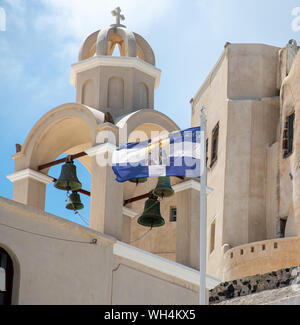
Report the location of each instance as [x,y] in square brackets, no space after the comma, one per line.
[103,42]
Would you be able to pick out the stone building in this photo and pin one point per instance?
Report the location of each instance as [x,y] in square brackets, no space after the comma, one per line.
[251,103]
[251,100]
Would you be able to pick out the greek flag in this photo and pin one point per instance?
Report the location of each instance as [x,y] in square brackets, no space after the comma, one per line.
[174,154]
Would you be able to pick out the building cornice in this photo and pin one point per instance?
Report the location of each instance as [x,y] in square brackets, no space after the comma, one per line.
[162,265]
[29,173]
[112,61]
[190,184]
[129,213]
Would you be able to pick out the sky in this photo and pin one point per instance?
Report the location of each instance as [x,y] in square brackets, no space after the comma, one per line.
[40,39]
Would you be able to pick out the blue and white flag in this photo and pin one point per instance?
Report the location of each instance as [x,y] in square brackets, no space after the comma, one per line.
[174,154]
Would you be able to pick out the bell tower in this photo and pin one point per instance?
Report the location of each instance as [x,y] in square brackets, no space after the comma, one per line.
[122,86]
[118,85]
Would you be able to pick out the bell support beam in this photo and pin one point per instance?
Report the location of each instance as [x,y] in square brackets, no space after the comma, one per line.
[137,198]
[145,196]
[61,161]
[87,193]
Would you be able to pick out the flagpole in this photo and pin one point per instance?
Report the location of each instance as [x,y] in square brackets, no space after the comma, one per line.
[203,209]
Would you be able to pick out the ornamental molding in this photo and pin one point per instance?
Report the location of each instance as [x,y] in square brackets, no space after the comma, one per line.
[111,61]
[129,213]
[191,184]
[29,173]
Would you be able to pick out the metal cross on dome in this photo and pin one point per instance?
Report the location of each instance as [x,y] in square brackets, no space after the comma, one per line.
[117,13]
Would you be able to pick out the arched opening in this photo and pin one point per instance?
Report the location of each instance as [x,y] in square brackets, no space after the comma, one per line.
[160,241]
[67,130]
[116,45]
[67,136]
[116,51]
[6,278]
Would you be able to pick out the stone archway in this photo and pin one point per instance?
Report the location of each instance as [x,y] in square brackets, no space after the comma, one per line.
[69,129]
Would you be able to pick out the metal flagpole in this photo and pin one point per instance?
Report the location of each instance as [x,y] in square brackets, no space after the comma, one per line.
[203,209]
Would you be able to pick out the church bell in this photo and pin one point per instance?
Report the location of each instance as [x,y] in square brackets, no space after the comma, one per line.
[164,188]
[68,180]
[74,202]
[151,216]
[138,180]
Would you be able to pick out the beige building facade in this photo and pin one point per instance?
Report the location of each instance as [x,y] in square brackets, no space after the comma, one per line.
[251,106]
[251,98]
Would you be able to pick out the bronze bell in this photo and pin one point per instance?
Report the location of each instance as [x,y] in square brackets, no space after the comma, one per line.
[74,202]
[138,180]
[68,180]
[151,216]
[164,188]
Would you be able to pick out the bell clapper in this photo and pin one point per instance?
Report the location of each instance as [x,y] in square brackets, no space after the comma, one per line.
[67,196]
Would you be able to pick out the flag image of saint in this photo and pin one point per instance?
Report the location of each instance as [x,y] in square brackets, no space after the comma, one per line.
[158,153]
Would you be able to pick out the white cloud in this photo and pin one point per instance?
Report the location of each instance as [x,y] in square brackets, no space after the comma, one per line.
[15,76]
[16,68]
[72,21]
[16,13]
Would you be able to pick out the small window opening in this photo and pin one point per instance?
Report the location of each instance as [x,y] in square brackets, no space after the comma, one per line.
[288,136]
[206,152]
[282,227]
[212,236]
[173,214]
[214,145]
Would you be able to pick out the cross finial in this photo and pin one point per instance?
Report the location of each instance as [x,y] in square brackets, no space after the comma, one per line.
[117,13]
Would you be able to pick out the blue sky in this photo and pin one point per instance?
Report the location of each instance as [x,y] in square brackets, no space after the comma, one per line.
[43,37]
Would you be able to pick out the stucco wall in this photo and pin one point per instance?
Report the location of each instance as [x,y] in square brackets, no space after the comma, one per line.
[252,71]
[68,269]
[241,95]
[213,96]
[148,289]
[54,271]
[252,126]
